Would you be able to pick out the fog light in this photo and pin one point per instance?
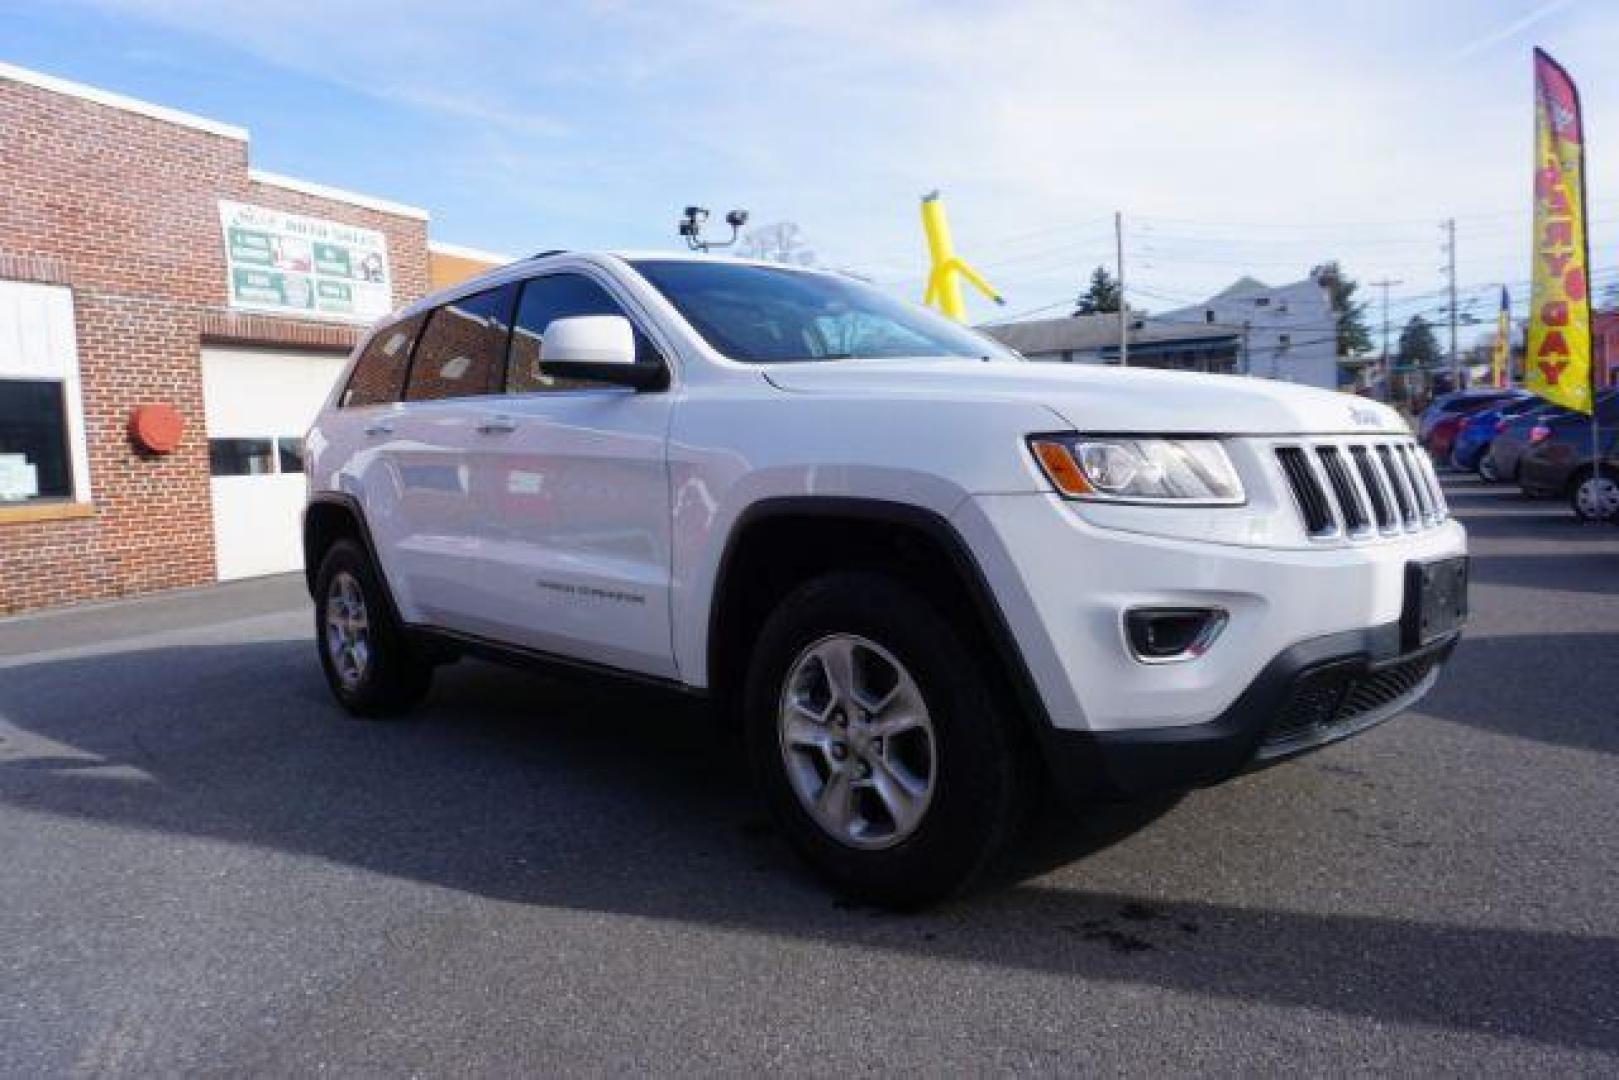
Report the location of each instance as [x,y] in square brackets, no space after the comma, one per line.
[1165,635]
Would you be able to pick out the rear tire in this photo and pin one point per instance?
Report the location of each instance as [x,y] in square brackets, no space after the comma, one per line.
[877,743]
[1595,498]
[370,666]
[1487,470]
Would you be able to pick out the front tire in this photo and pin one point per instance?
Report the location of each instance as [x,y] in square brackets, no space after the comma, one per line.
[1595,497]
[1487,470]
[877,743]
[370,666]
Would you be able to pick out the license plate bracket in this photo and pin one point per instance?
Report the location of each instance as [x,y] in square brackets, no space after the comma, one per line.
[1435,601]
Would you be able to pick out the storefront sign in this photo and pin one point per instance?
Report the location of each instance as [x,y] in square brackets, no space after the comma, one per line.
[287,264]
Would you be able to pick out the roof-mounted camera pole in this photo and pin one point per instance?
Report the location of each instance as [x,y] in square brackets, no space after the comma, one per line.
[691,225]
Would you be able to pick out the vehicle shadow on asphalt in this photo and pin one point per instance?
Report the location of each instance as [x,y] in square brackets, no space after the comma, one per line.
[1561,571]
[1554,527]
[1580,667]
[515,788]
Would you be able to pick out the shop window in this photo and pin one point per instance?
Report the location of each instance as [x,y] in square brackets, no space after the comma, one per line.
[290,454]
[35,460]
[462,348]
[42,446]
[241,457]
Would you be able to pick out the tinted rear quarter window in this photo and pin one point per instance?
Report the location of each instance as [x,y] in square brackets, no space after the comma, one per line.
[462,347]
[379,374]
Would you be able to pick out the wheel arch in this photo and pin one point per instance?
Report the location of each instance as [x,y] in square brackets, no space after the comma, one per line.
[778,543]
[332,516]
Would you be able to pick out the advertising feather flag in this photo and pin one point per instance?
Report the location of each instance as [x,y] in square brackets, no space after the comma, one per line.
[1557,366]
[1501,354]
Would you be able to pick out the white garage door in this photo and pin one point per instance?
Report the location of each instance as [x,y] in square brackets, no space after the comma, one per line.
[259,403]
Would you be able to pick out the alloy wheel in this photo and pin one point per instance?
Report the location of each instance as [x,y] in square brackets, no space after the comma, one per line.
[1598,498]
[348,629]
[858,742]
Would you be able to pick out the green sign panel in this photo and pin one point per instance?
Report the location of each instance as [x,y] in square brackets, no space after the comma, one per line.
[282,263]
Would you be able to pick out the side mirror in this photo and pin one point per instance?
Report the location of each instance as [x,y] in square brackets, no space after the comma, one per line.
[600,348]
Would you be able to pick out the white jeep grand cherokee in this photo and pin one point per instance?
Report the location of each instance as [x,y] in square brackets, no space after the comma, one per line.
[920,573]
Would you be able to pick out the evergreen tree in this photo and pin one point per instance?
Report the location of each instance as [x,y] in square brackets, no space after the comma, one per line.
[1419,348]
[1102,297]
[1348,313]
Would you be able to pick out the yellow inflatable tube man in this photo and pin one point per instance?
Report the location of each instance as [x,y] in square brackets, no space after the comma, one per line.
[944,278]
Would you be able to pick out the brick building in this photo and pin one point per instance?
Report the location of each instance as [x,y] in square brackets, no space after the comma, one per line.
[145,267]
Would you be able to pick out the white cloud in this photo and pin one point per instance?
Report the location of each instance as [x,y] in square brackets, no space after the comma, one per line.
[1511,30]
[1038,119]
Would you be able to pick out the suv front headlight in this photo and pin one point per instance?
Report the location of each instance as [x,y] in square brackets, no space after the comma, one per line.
[1180,471]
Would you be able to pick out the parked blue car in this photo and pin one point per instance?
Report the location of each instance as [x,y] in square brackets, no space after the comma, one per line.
[1461,401]
[1472,444]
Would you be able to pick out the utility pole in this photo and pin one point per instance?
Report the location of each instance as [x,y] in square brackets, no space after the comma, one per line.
[1385,285]
[1124,308]
[1449,225]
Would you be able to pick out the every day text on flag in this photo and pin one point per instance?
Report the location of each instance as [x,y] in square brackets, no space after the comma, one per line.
[1558,363]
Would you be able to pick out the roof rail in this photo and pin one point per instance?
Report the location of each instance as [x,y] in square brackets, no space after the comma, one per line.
[548,253]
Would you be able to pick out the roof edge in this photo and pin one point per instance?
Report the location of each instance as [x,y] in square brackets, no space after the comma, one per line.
[461,251]
[322,191]
[41,81]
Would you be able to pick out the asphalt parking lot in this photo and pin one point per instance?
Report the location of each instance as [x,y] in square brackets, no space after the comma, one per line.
[205,867]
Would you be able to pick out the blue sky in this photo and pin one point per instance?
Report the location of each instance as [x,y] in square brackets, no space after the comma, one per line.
[1237,138]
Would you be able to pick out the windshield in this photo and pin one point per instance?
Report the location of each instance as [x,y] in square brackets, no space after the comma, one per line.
[765,314]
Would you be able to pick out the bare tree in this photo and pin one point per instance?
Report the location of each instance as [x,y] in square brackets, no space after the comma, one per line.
[782,242]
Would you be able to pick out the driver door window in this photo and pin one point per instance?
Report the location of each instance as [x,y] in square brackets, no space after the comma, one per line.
[544,300]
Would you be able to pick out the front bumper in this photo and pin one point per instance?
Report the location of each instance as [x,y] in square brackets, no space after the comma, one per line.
[1064,585]
[1311,695]
[1312,651]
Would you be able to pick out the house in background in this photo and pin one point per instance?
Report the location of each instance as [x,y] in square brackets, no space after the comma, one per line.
[1290,331]
[1154,343]
[1286,332]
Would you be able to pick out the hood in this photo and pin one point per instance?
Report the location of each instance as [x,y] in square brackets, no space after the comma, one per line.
[1094,398]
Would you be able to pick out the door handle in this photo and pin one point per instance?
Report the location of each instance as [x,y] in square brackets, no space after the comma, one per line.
[380,428]
[497,425]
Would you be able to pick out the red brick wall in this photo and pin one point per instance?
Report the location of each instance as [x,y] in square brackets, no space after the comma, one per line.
[123,208]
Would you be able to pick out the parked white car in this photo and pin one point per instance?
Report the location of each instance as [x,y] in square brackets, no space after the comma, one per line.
[919,573]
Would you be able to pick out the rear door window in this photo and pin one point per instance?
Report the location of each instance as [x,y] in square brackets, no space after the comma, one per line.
[379,374]
[462,347]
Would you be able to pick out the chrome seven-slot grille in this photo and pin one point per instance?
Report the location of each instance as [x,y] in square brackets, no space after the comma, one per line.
[1359,489]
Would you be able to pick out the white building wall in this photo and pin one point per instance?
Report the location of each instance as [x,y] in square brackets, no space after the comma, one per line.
[1291,333]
